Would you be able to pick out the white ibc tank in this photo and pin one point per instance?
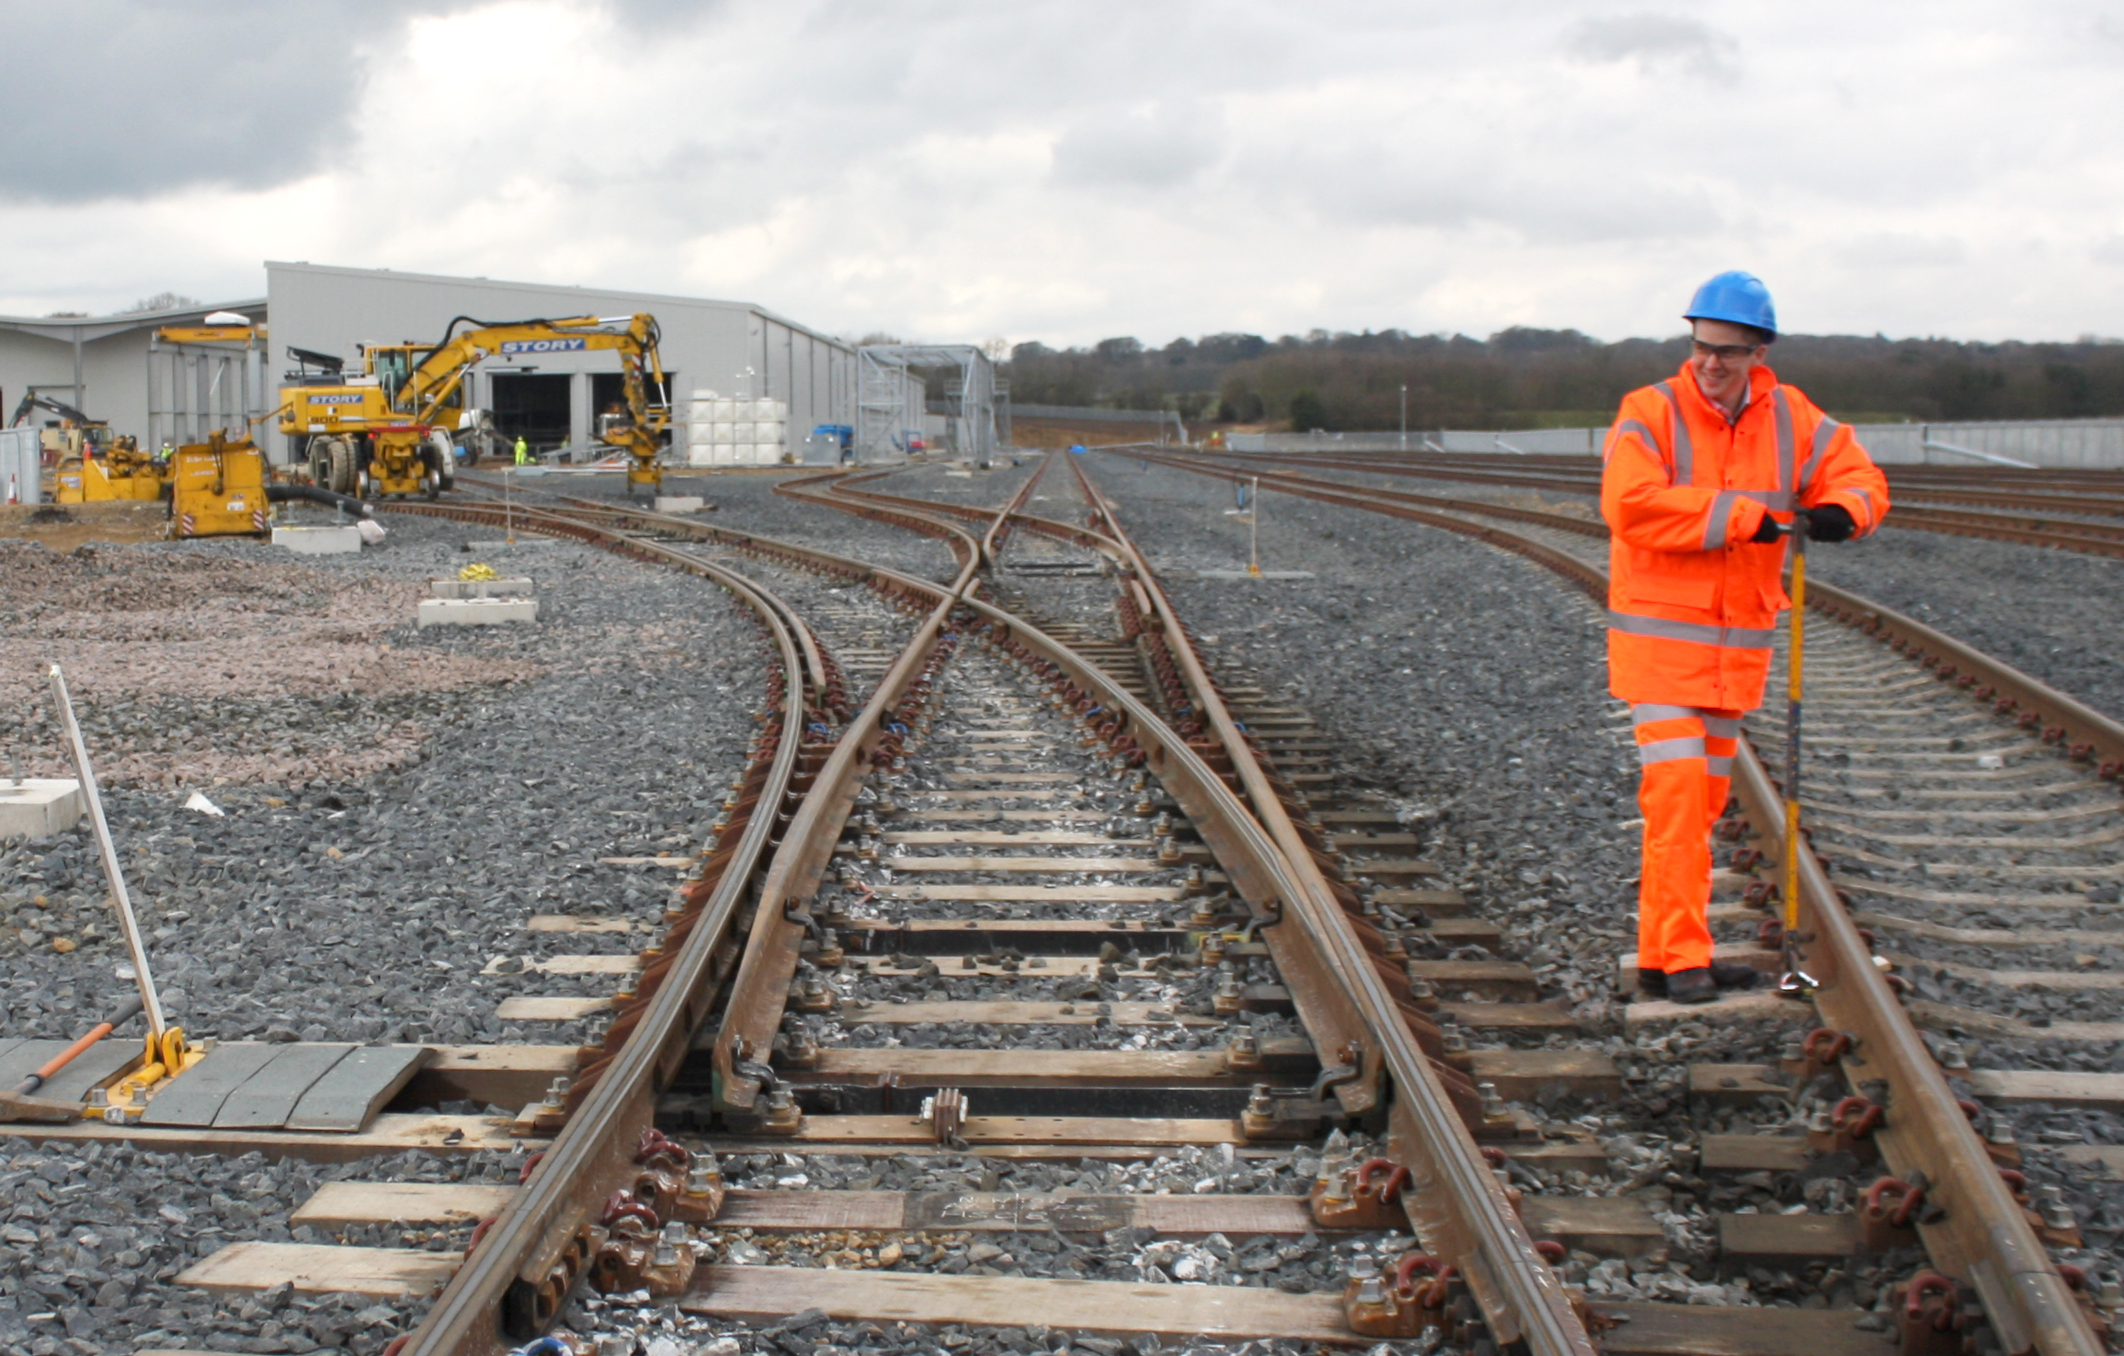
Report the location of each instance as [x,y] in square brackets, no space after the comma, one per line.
[726,410]
[741,432]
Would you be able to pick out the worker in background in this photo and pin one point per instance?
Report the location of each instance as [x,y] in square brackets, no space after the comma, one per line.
[1699,471]
[523,450]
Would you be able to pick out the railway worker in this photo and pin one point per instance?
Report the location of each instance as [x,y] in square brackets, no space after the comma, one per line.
[1699,471]
[523,450]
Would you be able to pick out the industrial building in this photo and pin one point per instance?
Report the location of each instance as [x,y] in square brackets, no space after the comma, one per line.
[114,369]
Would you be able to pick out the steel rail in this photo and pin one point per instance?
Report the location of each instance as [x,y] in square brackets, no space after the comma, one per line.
[1980,1233]
[759,992]
[1455,1203]
[2065,720]
[2060,532]
[495,1295]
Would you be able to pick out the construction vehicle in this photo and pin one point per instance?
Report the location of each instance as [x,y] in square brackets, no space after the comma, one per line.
[389,429]
[218,488]
[92,465]
[74,435]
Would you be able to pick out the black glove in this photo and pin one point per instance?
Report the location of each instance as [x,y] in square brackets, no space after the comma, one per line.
[1830,522]
[1766,531]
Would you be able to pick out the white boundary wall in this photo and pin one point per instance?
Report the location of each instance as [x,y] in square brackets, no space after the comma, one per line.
[2082,444]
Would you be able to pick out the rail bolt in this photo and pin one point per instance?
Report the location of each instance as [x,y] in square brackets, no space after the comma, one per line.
[1168,851]
[1888,1218]
[1243,1055]
[814,994]
[1422,992]
[1230,996]
[1494,1110]
[784,1116]
[1929,1318]
[1364,1197]
[1399,1305]
[700,1198]
[1259,1118]
[1195,883]
[1999,1143]
[1212,949]
[2059,1227]
[671,1261]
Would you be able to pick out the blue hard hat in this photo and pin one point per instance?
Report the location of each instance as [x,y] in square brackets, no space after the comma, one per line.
[1737,297]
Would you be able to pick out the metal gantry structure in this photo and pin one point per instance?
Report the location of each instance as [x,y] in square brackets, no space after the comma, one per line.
[891,400]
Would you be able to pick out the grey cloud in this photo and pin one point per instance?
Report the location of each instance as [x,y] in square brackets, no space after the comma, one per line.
[1159,145]
[1655,41]
[134,98]
[1901,249]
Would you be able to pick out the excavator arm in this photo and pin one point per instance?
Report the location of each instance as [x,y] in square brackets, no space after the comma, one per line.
[441,372]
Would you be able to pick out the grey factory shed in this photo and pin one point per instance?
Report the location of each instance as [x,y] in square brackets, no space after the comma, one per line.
[734,348]
[100,365]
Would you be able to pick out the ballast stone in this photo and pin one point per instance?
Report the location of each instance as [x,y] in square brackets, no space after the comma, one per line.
[39,807]
[476,611]
[478,588]
[319,541]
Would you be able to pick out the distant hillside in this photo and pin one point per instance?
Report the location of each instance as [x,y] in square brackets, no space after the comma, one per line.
[1524,377]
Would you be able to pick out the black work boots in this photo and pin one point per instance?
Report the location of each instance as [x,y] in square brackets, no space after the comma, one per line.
[1700,985]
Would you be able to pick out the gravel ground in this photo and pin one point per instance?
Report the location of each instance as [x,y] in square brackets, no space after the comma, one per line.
[747,502]
[344,894]
[94,1238]
[1465,680]
[2049,613]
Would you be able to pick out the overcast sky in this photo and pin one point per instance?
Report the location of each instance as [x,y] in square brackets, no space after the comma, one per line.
[1067,171]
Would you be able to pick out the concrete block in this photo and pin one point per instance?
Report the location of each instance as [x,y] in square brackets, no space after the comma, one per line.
[476,611]
[679,503]
[478,588]
[38,807]
[319,541]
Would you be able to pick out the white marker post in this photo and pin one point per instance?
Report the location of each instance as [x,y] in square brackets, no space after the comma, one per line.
[1253,529]
[120,899]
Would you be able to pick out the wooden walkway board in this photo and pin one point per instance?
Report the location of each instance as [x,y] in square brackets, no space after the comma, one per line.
[98,1066]
[1712,1330]
[195,1096]
[322,1268]
[1178,1311]
[349,1096]
[264,1102]
[251,1085]
[337,1204]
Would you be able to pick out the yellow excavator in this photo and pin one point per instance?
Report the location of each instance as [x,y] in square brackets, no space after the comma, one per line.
[389,429]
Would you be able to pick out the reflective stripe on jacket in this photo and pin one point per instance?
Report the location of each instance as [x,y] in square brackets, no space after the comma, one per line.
[1692,602]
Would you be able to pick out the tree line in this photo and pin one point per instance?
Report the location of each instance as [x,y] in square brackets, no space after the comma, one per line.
[1524,377]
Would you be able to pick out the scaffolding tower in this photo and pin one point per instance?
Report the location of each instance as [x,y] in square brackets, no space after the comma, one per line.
[891,400]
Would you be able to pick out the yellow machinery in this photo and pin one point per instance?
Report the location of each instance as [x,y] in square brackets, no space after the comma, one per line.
[122,471]
[388,430]
[218,488]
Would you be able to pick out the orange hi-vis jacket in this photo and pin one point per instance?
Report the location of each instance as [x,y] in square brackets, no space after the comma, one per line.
[1692,602]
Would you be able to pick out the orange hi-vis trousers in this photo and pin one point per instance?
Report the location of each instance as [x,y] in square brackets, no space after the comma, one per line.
[1686,770]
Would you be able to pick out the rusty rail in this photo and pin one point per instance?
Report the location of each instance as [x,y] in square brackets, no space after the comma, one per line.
[1980,1234]
[1455,1204]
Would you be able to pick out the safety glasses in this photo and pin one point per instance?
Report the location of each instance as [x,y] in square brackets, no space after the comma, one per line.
[1731,353]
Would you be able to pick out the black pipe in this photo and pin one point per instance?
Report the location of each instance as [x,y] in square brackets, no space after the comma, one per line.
[280,494]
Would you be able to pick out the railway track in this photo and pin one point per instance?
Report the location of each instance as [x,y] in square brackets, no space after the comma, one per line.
[2015,784]
[2061,510]
[1021,912]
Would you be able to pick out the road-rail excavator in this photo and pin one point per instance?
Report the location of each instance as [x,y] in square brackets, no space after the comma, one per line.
[389,429]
